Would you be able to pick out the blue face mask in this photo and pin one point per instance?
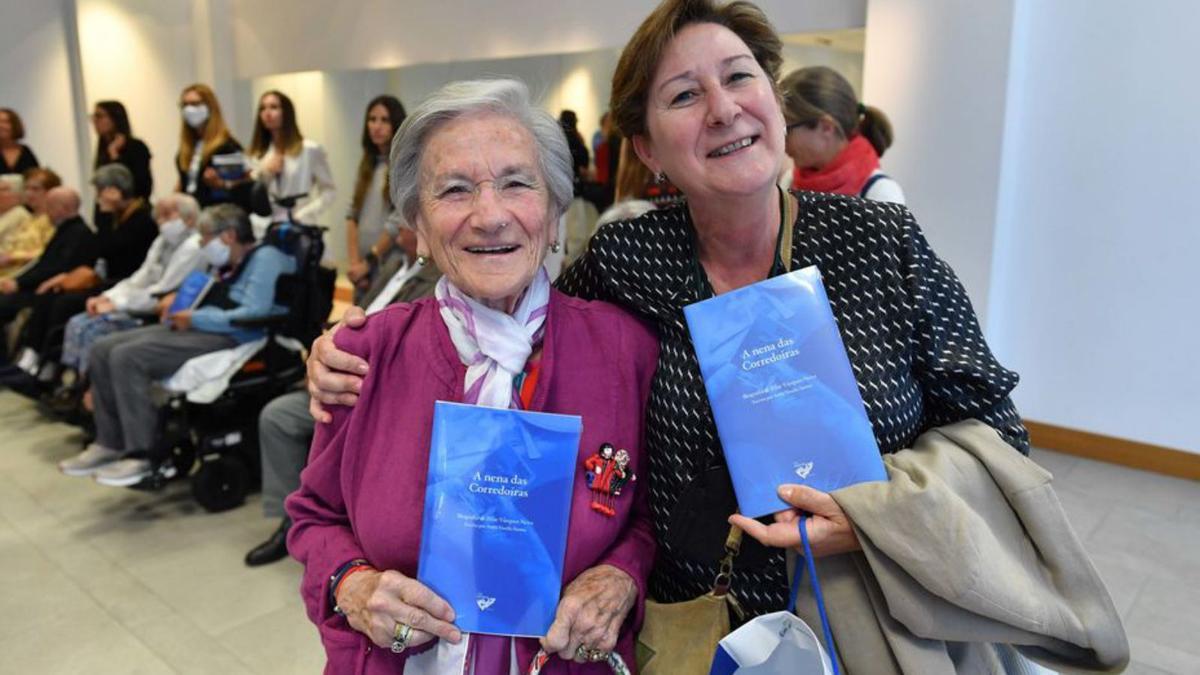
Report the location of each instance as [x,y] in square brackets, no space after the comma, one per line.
[217,253]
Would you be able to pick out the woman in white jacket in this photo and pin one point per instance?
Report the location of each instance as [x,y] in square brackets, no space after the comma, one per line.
[287,164]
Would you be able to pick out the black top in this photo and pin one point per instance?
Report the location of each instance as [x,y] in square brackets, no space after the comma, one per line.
[25,161]
[205,195]
[124,246]
[134,156]
[913,339]
[72,245]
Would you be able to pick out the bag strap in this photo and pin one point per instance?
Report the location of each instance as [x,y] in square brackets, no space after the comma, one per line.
[816,587]
[871,183]
[787,227]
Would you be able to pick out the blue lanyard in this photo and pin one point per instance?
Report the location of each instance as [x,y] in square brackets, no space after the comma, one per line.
[816,587]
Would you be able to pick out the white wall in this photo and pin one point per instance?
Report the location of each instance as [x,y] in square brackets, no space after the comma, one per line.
[939,70]
[373,34]
[36,81]
[140,53]
[1094,294]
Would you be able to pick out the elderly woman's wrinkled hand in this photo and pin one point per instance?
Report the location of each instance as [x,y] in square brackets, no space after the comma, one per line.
[590,613]
[829,529]
[334,376]
[374,602]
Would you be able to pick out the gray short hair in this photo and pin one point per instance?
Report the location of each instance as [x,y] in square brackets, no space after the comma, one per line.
[185,206]
[502,96]
[14,181]
[114,175]
[221,217]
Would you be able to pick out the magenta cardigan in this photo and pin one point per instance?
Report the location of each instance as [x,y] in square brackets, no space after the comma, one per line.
[363,492]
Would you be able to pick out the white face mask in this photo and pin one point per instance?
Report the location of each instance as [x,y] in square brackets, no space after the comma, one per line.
[217,253]
[173,231]
[195,115]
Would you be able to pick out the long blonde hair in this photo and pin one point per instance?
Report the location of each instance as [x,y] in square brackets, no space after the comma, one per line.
[215,131]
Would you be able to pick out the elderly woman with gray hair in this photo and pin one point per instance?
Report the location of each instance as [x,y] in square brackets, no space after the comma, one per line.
[483,176]
[125,230]
[176,252]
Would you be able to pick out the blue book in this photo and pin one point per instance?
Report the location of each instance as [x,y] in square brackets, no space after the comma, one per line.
[497,504]
[191,292]
[784,398]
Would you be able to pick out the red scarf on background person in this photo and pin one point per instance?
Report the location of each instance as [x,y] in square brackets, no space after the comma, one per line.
[846,174]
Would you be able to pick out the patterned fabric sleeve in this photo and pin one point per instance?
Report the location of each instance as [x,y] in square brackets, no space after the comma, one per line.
[583,279]
[959,375]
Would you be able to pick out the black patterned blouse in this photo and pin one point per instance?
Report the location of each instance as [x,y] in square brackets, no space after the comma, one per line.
[913,339]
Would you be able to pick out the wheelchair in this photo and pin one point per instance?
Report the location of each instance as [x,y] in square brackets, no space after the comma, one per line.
[216,443]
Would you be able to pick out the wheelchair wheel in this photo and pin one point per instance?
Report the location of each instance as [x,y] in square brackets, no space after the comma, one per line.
[221,484]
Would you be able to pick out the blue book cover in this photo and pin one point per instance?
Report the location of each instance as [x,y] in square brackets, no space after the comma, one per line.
[191,292]
[784,398]
[497,504]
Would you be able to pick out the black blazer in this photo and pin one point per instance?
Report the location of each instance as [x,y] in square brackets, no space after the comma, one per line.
[25,161]
[72,245]
[134,156]
[208,196]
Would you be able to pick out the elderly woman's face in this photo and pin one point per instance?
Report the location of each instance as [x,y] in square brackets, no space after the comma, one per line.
[484,212]
[714,124]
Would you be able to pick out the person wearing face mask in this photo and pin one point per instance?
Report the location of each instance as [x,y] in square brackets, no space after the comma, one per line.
[210,162]
[175,253]
[287,164]
[124,367]
[125,231]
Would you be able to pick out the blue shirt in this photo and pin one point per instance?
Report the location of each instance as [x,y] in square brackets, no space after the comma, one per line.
[254,293]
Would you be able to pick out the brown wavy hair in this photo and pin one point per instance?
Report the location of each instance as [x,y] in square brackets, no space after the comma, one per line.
[215,130]
[639,60]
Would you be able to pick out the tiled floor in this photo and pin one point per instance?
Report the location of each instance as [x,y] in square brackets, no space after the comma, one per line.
[101,580]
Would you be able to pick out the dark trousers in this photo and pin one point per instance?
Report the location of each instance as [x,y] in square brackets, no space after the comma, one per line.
[51,311]
[10,305]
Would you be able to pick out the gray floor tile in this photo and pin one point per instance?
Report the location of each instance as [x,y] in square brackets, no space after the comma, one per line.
[1056,463]
[1166,612]
[1148,491]
[1160,546]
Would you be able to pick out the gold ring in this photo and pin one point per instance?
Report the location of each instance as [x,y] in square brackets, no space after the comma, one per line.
[589,654]
[400,637]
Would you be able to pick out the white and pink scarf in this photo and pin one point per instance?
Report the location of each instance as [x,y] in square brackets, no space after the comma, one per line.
[494,346]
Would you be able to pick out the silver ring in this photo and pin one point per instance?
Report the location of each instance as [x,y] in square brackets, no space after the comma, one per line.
[400,637]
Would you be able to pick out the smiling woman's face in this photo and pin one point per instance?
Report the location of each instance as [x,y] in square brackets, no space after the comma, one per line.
[714,125]
[484,212]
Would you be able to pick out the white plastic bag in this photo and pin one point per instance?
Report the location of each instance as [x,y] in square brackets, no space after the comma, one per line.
[772,644]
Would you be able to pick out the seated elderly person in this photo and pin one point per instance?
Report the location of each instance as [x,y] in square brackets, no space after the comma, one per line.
[125,366]
[13,215]
[176,252]
[19,245]
[483,176]
[73,245]
[125,230]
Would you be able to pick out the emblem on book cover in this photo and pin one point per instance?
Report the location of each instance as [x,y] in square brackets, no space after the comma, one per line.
[607,473]
[484,601]
[803,469]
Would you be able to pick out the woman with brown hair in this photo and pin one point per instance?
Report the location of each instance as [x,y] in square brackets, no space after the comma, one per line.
[115,143]
[287,164]
[210,160]
[835,141]
[15,157]
[695,91]
[370,236]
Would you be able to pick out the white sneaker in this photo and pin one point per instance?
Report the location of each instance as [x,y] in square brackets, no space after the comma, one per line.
[91,460]
[124,473]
